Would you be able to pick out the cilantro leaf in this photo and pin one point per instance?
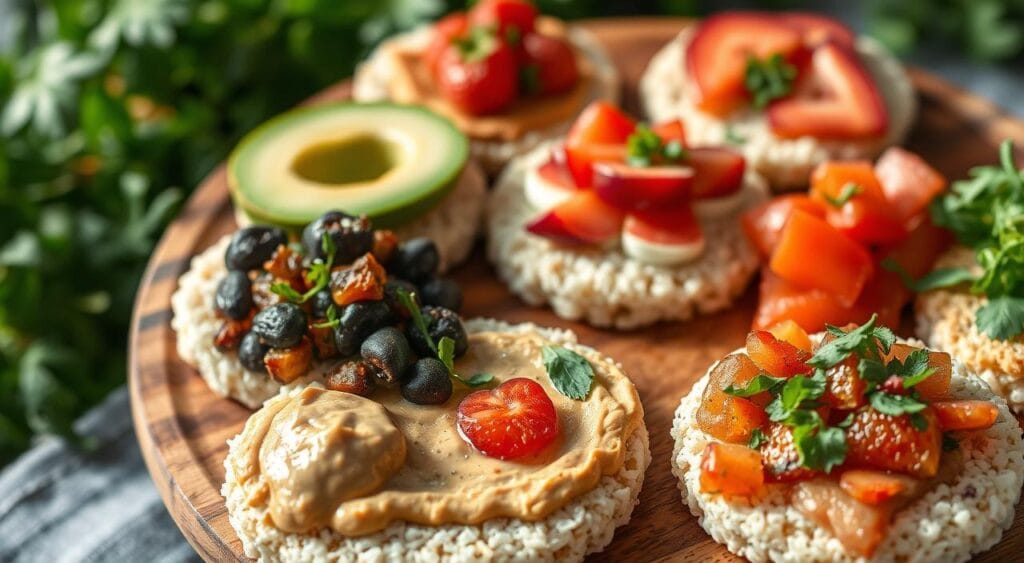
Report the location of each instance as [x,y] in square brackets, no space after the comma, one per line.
[859,339]
[758,384]
[820,447]
[570,373]
[915,368]
[798,392]
[756,439]
[1002,317]
[895,405]
[872,371]
[286,290]
[846,193]
[768,79]
[332,318]
[936,279]
[645,148]
[408,300]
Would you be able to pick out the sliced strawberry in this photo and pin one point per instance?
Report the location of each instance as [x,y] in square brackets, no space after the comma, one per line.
[632,188]
[779,456]
[671,226]
[557,173]
[817,29]
[763,224]
[717,172]
[717,56]
[908,182]
[598,134]
[583,218]
[879,441]
[836,99]
[513,420]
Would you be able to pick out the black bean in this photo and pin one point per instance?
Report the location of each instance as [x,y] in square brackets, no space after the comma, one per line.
[251,353]
[352,236]
[388,353]
[234,295]
[391,296]
[442,292]
[252,246]
[441,322]
[428,383]
[320,303]
[358,320]
[415,260]
[281,325]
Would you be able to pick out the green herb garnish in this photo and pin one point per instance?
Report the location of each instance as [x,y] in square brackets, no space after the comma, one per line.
[319,273]
[645,148]
[943,277]
[768,79]
[846,193]
[732,136]
[444,348]
[570,373]
[986,213]
[756,439]
[758,384]
[332,318]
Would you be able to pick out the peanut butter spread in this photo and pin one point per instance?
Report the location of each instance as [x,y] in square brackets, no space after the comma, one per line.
[331,459]
[413,83]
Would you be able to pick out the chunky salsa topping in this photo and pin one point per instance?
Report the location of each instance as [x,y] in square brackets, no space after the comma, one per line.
[839,253]
[858,424]
[485,59]
[614,176]
[801,69]
[371,308]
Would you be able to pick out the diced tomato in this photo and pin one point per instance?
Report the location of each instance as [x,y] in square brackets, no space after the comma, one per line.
[872,487]
[813,253]
[937,385]
[789,331]
[885,295]
[598,134]
[865,217]
[671,131]
[729,418]
[781,300]
[965,415]
[844,389]
[775,357]
[880,441]
[763,224]
[859,527]
[779,456]
[731,469]
[917,253]
[909,183]
[716,59]
[867,222]
[717,172]
[829,180]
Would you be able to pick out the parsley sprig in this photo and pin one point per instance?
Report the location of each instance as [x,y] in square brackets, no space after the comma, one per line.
[986,213]
[768,79]
[319,274]
[645,148]
[443,348]
[795,400]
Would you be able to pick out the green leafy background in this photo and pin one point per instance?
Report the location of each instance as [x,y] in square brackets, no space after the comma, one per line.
[111,111]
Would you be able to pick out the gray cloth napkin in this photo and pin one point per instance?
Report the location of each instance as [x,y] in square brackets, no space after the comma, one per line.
[59,504]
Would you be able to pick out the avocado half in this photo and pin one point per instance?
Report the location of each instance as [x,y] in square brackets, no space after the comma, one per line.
[391,162]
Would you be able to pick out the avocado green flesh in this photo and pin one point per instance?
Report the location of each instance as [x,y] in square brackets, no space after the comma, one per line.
[393,163]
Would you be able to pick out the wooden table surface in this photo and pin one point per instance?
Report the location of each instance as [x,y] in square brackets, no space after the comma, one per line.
[182,426]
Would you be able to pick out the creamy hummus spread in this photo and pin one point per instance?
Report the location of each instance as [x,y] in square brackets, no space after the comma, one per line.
[330,459]
[413,83]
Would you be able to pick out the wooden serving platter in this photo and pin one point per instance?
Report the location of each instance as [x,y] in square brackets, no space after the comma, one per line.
[182,426]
